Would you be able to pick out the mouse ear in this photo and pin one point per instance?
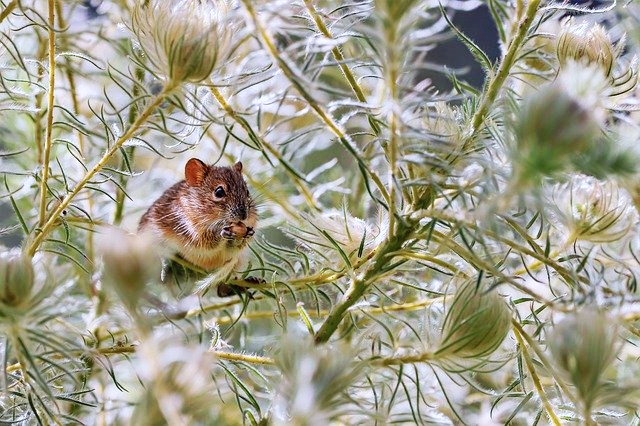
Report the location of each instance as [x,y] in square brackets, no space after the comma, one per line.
[195,171]
[238,167]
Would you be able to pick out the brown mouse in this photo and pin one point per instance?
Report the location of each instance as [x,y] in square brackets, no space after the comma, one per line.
[208,218]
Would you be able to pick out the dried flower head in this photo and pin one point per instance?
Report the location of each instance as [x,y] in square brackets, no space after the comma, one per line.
[178,386]
[583,345]
[313,380]
[334,229]
[475,326]
[586,43]
[16,278]
[184,39]
[130,262]
[594,210]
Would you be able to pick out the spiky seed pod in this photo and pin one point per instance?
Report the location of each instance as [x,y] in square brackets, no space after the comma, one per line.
[583,345]
[587,44]
[550,129]
[184,39]
[16,278]
[130,262]
[475,325]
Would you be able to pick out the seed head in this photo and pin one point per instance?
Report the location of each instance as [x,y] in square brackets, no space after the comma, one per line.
[130,262]
[475,326]
[550,129]
[583,345]
[16,278]
[594,210]
[587,44]
[184,39]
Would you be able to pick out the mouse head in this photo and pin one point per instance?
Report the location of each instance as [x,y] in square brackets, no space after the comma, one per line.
[221,200]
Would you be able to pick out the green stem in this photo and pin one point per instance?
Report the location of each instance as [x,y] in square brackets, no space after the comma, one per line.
[50,99]
[360,285]
[496,83]
[339,57]
[53,218]
[129,152]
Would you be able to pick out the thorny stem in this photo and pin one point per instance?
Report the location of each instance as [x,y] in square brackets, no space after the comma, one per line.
[534,376]
[142,118]
[50,99]
[296,81]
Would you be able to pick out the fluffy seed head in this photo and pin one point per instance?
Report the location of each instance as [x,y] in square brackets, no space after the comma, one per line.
[184,39]
[588,44]
[129,263]
[594,210]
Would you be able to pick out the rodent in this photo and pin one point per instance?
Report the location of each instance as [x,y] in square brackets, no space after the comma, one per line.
[208,218]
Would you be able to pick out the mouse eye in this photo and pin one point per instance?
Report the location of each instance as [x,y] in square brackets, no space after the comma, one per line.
[219,192]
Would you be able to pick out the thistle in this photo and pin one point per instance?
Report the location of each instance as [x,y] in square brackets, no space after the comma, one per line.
[130,262]
[593,210]
[551,128]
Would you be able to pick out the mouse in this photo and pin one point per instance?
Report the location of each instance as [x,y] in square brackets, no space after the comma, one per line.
[207,219]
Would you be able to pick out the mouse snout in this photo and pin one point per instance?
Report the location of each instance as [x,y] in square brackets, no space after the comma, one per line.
[240,211]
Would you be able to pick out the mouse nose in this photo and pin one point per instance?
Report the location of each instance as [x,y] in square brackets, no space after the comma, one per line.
[241,212]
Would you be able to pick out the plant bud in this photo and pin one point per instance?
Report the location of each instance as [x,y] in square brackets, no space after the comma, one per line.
[583,345]
[184,39]
[129,263]
[550,129]
[476,324]
[16,278]
[587,44]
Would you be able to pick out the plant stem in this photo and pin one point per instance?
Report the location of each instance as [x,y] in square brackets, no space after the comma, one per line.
[360,285]
[325,117]
[339,57]
[496,83]
[142,118]
[7,10]
[121,190]
[534,376]
[253,359]
[50,99]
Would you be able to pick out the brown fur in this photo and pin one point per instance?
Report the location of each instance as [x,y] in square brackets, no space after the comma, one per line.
[206,230]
